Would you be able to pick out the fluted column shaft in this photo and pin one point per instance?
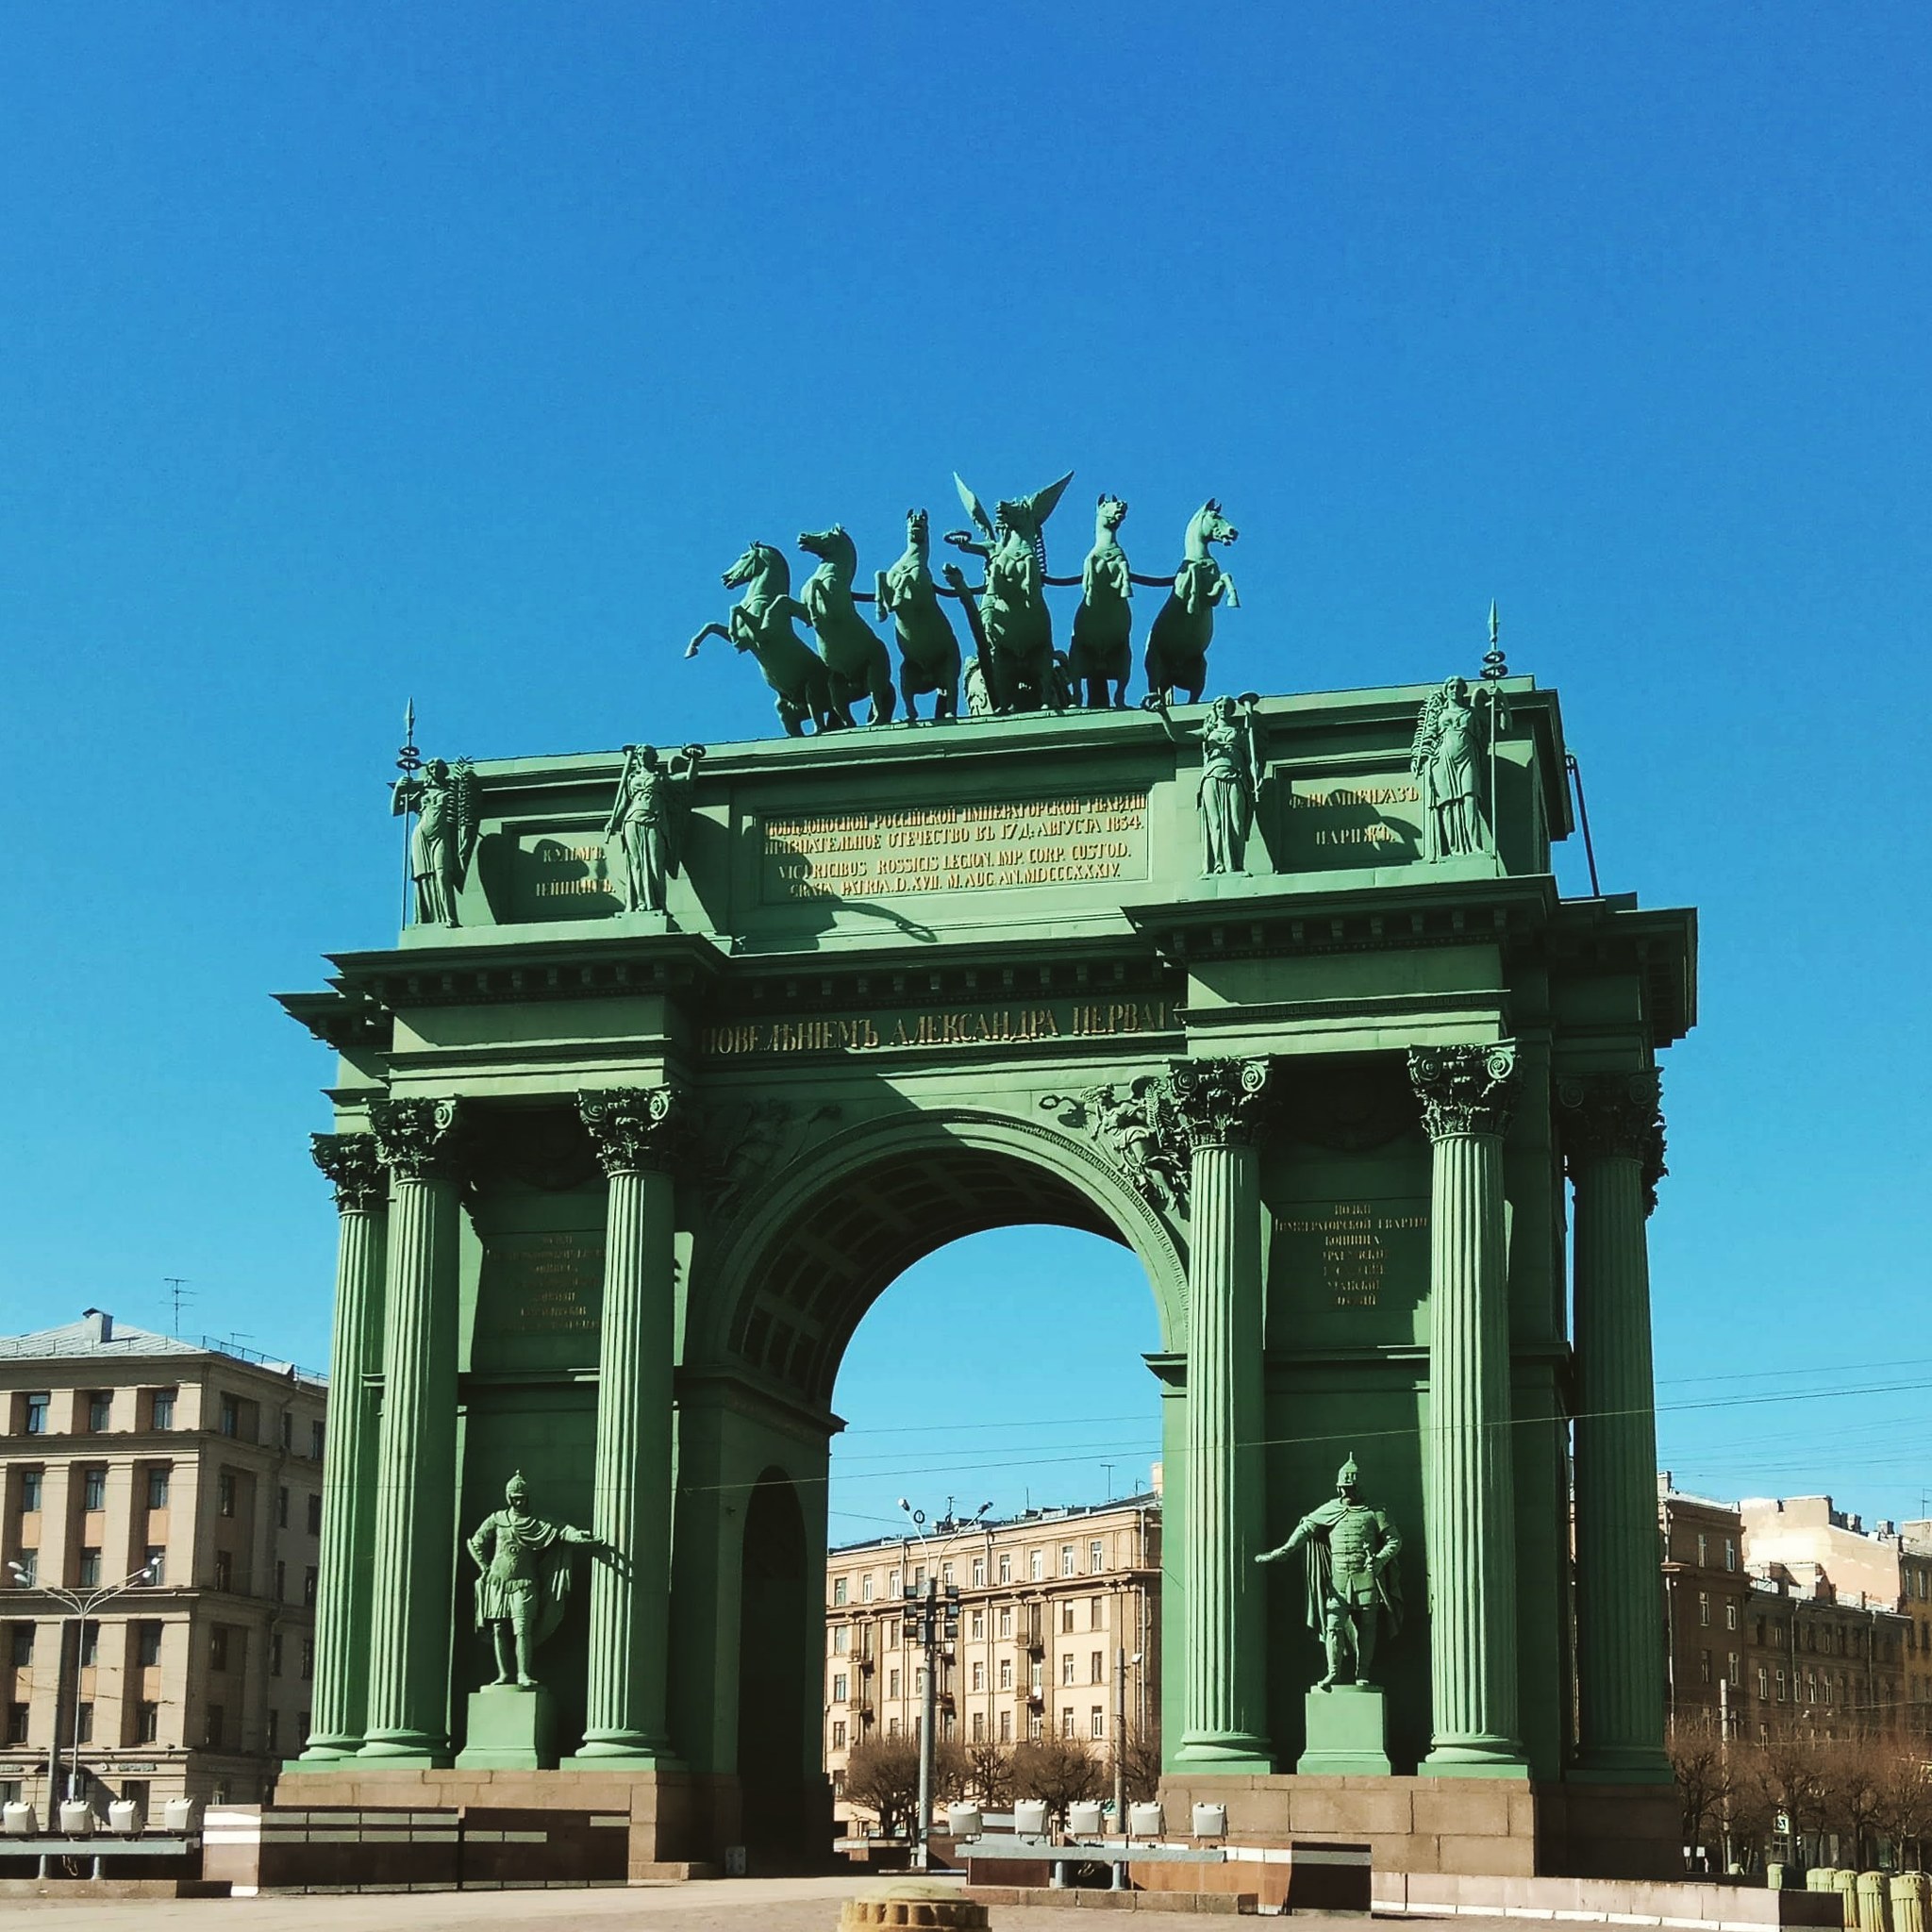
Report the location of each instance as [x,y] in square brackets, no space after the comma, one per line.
[1613,1143]
[1467,1093]
[415,1479]
[348,1513]
[1223,1512]
[630,1600]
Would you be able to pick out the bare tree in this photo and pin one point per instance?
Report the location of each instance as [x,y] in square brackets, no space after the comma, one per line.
[1851,1794]
[1060,1769]
[1904,1811]
[1139,1755]
[990,1774]
[882,1776]
[1700,1761]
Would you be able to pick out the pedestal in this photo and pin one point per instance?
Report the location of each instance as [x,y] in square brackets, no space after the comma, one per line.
[1348,1733]
[513,1727]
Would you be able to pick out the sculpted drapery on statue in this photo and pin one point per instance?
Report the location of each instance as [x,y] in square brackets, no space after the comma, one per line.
[647,820]
[444,839]
[1353,1582]
[1230,783]
[523,1579]
[1447,758]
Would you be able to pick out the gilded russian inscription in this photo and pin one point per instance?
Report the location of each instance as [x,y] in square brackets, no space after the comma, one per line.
[545,1284]
[951,848]
[953,1028]
[1352,1240]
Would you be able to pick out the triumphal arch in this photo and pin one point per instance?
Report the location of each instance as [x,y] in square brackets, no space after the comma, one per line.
[685,1055]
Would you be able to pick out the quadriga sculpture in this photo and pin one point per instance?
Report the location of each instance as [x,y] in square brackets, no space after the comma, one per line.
[1178,644]
[761,623]
[857,659]
[1012,601]
[1102,657]
[928,651]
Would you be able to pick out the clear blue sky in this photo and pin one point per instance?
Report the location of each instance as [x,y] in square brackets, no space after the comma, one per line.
[356,352]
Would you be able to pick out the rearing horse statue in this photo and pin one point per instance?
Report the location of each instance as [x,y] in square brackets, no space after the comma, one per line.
[1102,659]
[857,659]
[928,651]
[1012,601]
[761,623]
[1178,644]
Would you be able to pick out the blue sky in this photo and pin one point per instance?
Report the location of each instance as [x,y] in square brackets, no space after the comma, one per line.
[355,353]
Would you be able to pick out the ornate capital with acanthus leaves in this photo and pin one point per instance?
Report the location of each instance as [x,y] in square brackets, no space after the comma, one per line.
[353,1168]
[1614,1116]
[1465,1090]
[415,1138]
[633,1127]
[1221,1101]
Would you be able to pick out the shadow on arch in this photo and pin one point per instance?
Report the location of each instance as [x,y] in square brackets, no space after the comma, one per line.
[785,1296]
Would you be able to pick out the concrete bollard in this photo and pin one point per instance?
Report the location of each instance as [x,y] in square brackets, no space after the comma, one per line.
[1911,1897]
[903,1902]
[1845,1882]
[1871,1913]
[1777,1876]
[1821,1878]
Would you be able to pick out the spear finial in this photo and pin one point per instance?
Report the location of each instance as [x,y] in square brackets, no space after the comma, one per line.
[1494,667]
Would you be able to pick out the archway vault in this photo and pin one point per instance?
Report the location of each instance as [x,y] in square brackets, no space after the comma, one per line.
[795,1276]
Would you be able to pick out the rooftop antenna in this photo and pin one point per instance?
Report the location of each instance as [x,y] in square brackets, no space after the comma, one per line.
[408,762]
[1108,1468]
[178,1291]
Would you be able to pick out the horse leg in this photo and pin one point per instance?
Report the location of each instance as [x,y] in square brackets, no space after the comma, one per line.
[710,630]
[884,699]
[792,717]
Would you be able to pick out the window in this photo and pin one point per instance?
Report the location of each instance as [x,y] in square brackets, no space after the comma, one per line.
[1036,1565]
[84,1723]
[1704,1609]
[20,1645]
[274,1728]
[90,1644]
[308,1659]
[28,1565]
[93,1487]
[29,1491]
[282,1506]
[1096,1723]
[1066,1559]
[1781,1686]
[1763,1685]
[1067,1722]
[16,1724]
[839,1589]
[865,1587]
[224,1493]
[980,1727]
[161,1409]
[1035,1725]
[892,1727]
[90,1567]
[946,1575]
[308,1580]
[918,1579]
[842,1686]
[893,1582]
[1006,1566]
[1067,1616]
[1006,1724]
[281,1581]
[218,1647]
[1067,1668]
[1703,1549]
[1703,1667]
[289,1431]
[979,1676]
[1096,1556]
[891,1683]
[147,1645]
[1731,1615]
[147,1723]
[1006,1621]
[1097,1667]
[35,1419]
[100,1408]
[976,1624]
[315,1441]
[157,1489]
[211,1734]
[224,1570]
[1734,1670]
[918,1682]
[979,1572]
[1005,1674]
[231,1416]
[838,1735]
[841,1639]
[1035,1674]
[1730,1553]
[275,1654]
[155,1563]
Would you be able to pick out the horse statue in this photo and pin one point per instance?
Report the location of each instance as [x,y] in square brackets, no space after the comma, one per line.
[854,654]
[1022,670]
[928,651]
[761,623]
[1178,644]
[1102,659]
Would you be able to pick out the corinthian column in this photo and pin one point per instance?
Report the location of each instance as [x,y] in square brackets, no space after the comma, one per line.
[630,1586]
[1613,1144]
[1221,1102]
[1467,1094]
[348,1510]
[415,1478]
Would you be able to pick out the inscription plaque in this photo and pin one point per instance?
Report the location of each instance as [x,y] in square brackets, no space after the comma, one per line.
[1336,823]
[1002,844]
[548,1284]
[1343,1254]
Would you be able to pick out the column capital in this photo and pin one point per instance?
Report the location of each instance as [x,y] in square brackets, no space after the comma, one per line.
[1221,1101]
[1613,1115]
[1465,1090]
[415,1138]
[631,1126]
[353,1168]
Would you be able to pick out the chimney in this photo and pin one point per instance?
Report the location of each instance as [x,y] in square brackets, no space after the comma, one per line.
[99,1324]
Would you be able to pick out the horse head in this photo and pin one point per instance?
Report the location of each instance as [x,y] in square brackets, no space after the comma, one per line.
[918,533]
[759,563]
[1109,516]
[831,546]
[1208,525]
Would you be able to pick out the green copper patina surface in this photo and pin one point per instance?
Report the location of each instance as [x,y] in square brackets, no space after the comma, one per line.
[1243,989]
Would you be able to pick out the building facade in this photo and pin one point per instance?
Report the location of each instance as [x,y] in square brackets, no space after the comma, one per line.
[1059,1631]
[123,1449]
[1706,1588]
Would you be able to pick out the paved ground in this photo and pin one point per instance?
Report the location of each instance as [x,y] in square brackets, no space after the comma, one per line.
[726,1904]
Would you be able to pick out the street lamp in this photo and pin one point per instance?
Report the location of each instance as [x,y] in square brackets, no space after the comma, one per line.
[79,1609]
[938,1625]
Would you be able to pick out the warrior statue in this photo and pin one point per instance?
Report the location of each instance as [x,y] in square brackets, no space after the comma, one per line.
[524,1580]
[646,821]
[444,837]
[1352,1578]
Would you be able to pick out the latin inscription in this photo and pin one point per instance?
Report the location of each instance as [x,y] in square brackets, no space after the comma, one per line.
[954,848]
[1348,1246]
[956,1026]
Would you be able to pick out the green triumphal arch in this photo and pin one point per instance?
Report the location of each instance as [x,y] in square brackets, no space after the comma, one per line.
[686,1057]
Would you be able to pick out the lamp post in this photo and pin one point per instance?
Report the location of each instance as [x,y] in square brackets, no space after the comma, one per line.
[938,1626]
[79,1609]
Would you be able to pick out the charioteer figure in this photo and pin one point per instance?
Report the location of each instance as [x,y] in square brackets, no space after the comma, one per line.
[1352,1578]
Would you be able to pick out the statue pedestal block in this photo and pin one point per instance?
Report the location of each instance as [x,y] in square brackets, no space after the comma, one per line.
[1346,1733]
[513,1727]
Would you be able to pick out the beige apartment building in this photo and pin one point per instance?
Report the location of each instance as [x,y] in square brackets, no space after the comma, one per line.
[119,1449]
[1059,1630]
